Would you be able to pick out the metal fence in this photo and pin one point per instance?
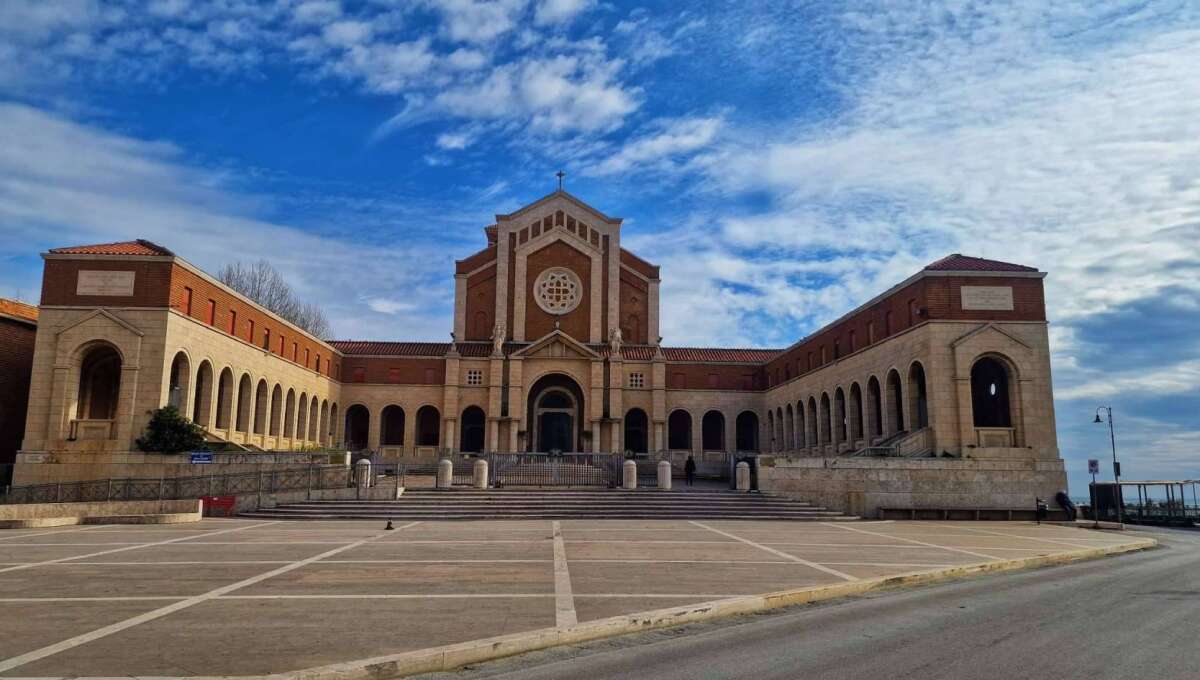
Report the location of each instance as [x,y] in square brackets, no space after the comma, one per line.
[176,488]
[542,469]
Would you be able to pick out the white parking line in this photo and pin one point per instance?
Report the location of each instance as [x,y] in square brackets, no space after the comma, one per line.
[780,553]
[71,643]
[47,533]
[564,602]
[1029,538]
[132,547]
[915,541]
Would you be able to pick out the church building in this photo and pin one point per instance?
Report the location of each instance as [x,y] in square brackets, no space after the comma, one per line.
[555,347]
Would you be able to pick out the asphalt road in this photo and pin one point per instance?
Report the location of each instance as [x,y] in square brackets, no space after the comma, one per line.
[1133,616]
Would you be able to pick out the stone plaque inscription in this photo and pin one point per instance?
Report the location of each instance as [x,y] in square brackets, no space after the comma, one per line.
[93,282]
[987,297]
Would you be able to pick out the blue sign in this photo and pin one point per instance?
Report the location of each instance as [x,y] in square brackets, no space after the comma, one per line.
[201,458]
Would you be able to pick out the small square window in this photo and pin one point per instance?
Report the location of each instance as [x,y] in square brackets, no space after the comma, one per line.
[474,377]
[637,380]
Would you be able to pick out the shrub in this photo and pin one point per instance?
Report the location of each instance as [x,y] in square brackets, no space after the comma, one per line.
[170,432]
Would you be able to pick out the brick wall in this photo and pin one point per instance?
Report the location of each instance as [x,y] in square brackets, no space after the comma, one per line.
[481,305]
[930,298]
[16,366]
[296,347]
[577,323]
[151,283]
[395,370]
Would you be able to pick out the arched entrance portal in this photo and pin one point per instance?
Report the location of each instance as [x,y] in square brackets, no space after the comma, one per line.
[555,415]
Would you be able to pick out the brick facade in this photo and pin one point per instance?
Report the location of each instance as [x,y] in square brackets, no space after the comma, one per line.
[896,372]
[18,328]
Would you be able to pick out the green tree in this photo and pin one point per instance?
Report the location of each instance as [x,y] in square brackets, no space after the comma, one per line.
[170,432]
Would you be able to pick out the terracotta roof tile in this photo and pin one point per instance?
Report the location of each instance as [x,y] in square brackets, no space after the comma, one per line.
[20,310]
[393,349]
[139,247]
[721,354]
[965,263]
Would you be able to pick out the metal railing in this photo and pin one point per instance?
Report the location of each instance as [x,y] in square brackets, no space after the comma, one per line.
[177,488]
[566,469]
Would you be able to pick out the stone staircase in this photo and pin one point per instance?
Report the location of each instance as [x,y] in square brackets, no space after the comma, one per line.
[517,504]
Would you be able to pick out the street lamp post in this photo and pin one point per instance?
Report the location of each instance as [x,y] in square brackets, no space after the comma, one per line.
[1112,437]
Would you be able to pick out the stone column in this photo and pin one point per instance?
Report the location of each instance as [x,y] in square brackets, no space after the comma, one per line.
[480,472]
[629,475]
[742,474]
[445,474]
[664,474]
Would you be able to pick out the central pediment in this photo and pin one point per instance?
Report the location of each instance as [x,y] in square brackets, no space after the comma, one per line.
[556,345]
[560,200]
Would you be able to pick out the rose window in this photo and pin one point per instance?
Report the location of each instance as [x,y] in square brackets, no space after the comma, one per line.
[557,290]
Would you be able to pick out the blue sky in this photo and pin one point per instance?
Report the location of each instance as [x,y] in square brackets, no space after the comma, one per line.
[782,161]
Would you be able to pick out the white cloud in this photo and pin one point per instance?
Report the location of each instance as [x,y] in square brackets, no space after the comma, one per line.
[66,183]
[1180,378]
[454,141]
[317,11]
[673,139]
[478,21]
[347,33]
[556,95]
[559,11]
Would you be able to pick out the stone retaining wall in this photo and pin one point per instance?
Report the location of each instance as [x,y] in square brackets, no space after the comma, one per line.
[26,515]
[45,468]
[861,486]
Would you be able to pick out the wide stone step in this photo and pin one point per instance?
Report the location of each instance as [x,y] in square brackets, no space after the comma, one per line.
[831,517]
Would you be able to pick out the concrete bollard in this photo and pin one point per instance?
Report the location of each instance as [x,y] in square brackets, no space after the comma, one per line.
[742,472]
[362,473]
[481,473]
[629,475]
[664,474]
[345,458]
[445,474]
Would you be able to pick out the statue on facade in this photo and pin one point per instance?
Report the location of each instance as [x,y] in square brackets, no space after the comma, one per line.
[498,339]
[614,341]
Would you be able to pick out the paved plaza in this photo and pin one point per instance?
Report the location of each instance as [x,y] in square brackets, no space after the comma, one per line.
[246,597]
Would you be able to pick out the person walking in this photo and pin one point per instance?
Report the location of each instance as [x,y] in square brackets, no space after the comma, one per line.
[689,470]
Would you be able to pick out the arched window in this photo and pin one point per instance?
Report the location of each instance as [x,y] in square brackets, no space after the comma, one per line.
[919,408]
[679,431]
[429,426]
[635,431]
[839,416]
[747,431]
[801,431]
[289,414]
[895,400]
[245,403]
[789,429]
[202,399]
[333,419]
[302,417]
[260,407]
[712,431]
[874,408]
[177,390]
[990,394]
[855,415]
[276,410]
[225,399]
[358,424]
[826,420]
[313,416]
[321,436]
[770,429]
[814,423]
[99,384]
[471,430]
[391,421]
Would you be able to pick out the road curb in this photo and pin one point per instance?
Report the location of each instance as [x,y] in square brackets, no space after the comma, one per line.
[450,657]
